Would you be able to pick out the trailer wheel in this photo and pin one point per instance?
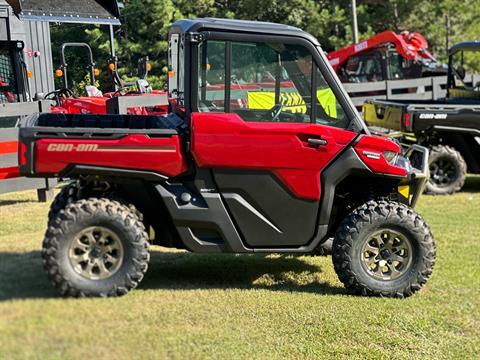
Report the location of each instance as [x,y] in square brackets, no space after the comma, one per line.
[384,249]
[95,247]
[447,171]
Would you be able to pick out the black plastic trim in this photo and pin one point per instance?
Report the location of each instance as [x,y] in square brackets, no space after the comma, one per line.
[110,172]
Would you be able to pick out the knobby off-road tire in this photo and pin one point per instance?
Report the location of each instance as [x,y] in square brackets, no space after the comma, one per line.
[72,193]
[67,195]
[85,234]
[448,171]
[405,236]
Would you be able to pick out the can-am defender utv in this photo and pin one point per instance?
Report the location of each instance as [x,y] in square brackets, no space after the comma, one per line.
[219,175]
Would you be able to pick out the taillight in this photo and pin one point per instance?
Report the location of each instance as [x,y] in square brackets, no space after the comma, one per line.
[22,154]
[406,120]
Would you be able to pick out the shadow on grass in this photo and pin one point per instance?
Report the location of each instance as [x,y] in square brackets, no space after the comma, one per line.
[472,184]
[222,271]
[14,202]
[22,275]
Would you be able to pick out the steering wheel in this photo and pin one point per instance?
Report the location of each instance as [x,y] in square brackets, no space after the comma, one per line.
[57,94]
[275,112]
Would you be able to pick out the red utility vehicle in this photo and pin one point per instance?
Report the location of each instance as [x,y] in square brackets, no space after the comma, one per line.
[218,174]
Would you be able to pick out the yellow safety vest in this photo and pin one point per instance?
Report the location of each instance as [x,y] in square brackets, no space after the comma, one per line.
[292,101]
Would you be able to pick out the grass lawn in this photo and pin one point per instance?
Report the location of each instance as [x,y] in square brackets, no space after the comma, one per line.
[247,306]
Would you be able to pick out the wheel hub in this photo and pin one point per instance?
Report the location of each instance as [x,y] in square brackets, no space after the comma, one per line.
[443,172]
[386,254]
[96,253]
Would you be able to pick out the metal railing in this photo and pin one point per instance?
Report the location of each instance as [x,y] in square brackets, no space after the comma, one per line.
[430,88]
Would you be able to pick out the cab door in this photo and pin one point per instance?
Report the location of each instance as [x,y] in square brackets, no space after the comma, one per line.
[266,124]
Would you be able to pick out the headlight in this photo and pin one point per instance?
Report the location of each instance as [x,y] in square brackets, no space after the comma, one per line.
[390,156]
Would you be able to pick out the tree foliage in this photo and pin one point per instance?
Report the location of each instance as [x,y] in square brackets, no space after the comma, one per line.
[145,25]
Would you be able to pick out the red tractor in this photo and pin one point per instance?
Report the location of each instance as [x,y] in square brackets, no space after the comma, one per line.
[95,102]
[386,56]
[221,174]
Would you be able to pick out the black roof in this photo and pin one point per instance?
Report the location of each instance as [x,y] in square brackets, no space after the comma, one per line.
[67,11]
[466,45]
[245,26]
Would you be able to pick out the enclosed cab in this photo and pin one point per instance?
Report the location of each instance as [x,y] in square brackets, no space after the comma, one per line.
[263,152]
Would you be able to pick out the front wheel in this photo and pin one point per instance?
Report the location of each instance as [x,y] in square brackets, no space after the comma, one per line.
[385,249]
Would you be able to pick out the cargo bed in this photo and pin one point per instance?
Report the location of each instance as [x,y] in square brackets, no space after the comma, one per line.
[134,142]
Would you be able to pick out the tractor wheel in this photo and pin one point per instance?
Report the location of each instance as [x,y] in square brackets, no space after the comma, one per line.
[384,249]
[447,171]
[95,247]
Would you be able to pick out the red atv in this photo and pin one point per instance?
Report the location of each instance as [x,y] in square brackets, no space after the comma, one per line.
[220,174]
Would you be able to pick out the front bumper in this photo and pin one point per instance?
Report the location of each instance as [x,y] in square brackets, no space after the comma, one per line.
[416,158]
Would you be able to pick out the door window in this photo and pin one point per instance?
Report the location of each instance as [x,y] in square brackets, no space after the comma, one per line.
[328,110]
[271,82]
[268,82]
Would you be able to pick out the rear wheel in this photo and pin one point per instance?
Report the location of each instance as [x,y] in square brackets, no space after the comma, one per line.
[447,171]
[385,249]
[95,247]
[67,195]
[73,192]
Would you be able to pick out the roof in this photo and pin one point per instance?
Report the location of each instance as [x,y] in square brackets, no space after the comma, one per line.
[245,26]
[466,45]
[67,11]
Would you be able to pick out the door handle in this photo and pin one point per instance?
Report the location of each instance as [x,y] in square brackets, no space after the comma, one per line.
[317,142]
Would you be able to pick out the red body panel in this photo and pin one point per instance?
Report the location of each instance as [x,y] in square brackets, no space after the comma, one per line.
[9,172]
[83,105]
[410,45]
[370,147]
[8,148]
[98,105]
[137,152]
[226,141]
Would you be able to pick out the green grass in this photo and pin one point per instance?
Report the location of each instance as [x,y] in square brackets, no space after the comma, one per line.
[246,306]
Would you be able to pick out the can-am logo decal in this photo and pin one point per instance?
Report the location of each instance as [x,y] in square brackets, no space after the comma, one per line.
[433,116]
[371,155]
[72,147]
[103,148]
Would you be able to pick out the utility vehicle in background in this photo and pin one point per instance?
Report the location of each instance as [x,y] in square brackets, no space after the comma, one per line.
[450,127]
[220,175]
[386,56]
